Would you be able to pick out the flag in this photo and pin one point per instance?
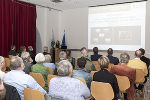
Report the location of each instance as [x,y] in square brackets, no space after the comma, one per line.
[63,40]
[53,41]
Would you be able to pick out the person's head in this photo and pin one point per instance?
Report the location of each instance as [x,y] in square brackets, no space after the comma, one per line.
[16,63]
[138,54]
[48,58]
[124,58]
[142,51]
[84,52]
[95,50]
[30,48]
[68,52]
[2,90]
[2,62]
[110,51]
[25,56]
[13,47]
[64,68]
[22,49]
[40,58]
[103,62]
[45,48]
[62,55]
[81,62]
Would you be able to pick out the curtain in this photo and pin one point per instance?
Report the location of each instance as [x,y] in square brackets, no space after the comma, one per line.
[17,25]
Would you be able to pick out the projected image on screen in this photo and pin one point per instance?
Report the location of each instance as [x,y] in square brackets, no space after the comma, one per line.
[121,27]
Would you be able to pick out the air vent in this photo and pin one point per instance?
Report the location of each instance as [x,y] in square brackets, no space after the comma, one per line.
[56,1]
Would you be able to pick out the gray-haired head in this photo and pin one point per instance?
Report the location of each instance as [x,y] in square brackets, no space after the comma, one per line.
[64,68]
[25,56]
[62,55]
[2,62]
[48,58]
[40,58]
[138,53]
[124,58]
[16,62]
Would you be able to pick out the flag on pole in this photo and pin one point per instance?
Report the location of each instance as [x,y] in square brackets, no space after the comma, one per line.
[63,40]
[53,40]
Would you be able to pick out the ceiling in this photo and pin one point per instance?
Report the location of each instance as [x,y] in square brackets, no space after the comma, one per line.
[71,4]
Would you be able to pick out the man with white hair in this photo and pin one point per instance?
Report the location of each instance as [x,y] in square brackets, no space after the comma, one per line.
[27,62]
[17,78]
[40,68]
[2,64]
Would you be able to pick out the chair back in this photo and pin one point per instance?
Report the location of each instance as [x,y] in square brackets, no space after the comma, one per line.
[39,78]
[30,94]
[7,62]
[101,91]
[96,64]
[10,56]
[82,80]
[50,70]
[49,77]
[123,83]
[92,74]
[140,76]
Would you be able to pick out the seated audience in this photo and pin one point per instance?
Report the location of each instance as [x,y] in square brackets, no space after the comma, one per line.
[70,59]
[40,68]
[124,70]
[21,50]
[17,78]
[105,76]
[27,62]
[136,63]
[46,50]
[89,65]
[2,91]
[30,50]
[112,59]
[48,63]
[81,73]
[2,64]
[66,87]
[95,56]
[145,59]
[12,51]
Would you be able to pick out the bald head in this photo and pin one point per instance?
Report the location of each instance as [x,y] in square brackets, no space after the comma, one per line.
[138,53]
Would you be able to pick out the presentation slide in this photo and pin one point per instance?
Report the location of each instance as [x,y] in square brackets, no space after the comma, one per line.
[120,26]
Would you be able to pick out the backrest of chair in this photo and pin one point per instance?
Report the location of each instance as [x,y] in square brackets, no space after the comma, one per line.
[140,76]
[30,94]
[50,70]
[49,77]
[39,78]
[96,64]
[123,83]
[7,62]
[82,80]
[10,56]
[92,74]
[102,91]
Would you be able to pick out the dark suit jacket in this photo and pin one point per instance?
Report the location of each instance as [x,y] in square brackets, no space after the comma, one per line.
[95,57]
[104,76]
[113,60]
[12,52]
[11,93]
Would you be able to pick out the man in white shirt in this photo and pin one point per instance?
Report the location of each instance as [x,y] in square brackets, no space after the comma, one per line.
[2,64]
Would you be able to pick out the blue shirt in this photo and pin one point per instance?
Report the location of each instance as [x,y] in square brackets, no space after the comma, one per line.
[68,88]
[52,65]
[81,73]
[20,80]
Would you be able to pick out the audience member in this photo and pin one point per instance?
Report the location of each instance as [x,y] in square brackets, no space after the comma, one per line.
[2,64]
[48,63]
[145,59]
[89,65]
[70,59]
[66,87]
[27,62]
[30,50]
[40,68]
[124,70]
[21,50]
[2,91]
[105,76]
[17,78]
[95,56]
[12,51]
[81,73]
[112,59]
[46,50]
